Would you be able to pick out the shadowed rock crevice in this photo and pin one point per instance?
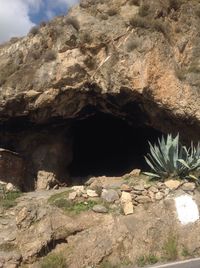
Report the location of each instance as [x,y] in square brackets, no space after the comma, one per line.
[50,246]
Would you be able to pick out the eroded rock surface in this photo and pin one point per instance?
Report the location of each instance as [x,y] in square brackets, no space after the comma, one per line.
[110,55]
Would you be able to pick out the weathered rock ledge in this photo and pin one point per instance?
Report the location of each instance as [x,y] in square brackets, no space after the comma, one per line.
[63,68]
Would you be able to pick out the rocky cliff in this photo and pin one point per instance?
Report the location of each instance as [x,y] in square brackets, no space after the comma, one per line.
[80,97]
[135,60]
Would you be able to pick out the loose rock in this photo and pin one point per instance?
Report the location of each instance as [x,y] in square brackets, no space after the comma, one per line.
[143,199]
[152,196]
[153,189]
[10,187]
[188,186]
[109,195]
[135,172]
[125,197]
[159,196]
[173,184]
[126,188]
[72,196]
[127,208]
[100,209]
[91,193]
[126,203]
[139,187]
[45,180]
[78,188]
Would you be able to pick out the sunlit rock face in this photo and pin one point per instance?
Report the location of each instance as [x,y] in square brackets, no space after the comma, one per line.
[81,59]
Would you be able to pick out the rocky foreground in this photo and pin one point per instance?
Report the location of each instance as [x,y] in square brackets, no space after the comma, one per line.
[109,222]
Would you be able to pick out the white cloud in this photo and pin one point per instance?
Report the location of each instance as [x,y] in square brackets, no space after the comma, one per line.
[15,14]
[14,18]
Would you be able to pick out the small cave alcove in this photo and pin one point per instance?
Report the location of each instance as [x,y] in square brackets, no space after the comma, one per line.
[107,145]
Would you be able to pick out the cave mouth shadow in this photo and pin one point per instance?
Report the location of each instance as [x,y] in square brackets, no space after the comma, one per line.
[107,145]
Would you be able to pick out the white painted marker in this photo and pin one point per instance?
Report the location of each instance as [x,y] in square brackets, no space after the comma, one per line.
[187,209]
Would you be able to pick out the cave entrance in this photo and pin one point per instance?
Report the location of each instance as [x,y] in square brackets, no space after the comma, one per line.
[107,145]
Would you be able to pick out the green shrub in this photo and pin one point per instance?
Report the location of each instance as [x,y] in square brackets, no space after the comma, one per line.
[75,207]
[180,73]
[74,22]
[53,261]
[85,37]
[90,62]
[112,12]
[134,2]
[197,12]
[194,68]
[43,24]
[160,26]
[7,247]
[139,22]
[144,10]
[34,30]
[170,248]
[50,55]
[185,252]
[131,45]
[8,199]
[170,159]
[103,16]
[175,4]
[147,260]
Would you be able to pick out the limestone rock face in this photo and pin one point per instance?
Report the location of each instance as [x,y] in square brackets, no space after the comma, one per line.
[107,48]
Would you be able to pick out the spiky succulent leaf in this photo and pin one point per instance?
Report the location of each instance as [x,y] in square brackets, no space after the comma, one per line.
[152,175]
[170,158]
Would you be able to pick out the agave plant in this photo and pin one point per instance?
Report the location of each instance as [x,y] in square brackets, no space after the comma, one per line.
[170,159]
[193,160]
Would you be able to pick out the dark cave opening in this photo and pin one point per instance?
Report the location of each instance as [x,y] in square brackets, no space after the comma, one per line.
[107,145]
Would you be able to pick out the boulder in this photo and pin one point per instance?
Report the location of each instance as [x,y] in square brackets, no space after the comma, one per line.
[110,195]
[45,180]
[126,203]
[159,196]
[100,209]
[72,196]
[143,199]
[125,197]
[10,187]
[125,188]
[91,193]
[188,186]
[173,184]
[127,208]
[138,187]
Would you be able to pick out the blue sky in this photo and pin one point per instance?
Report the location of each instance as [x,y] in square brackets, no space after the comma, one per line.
[18,16]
